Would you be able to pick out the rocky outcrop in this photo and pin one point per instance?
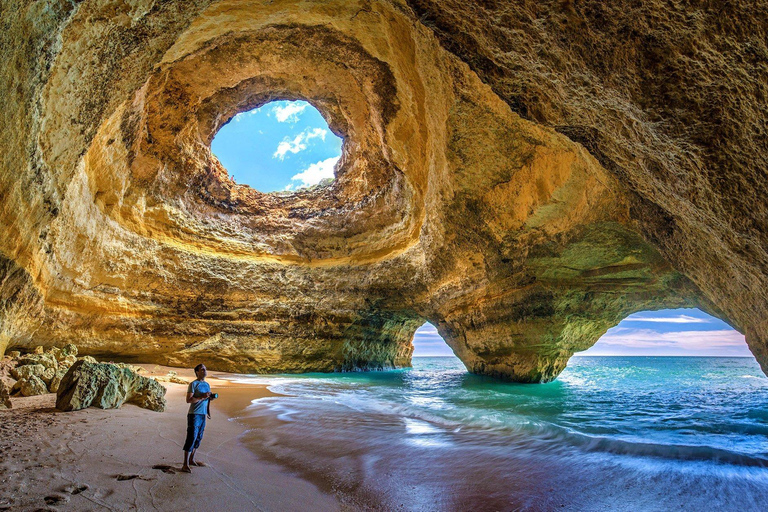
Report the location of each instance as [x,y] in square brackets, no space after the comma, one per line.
[5,396]
[107,386]
[521,175]
[41,371]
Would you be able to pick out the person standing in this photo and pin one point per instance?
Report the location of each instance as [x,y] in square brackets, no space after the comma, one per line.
[198,398]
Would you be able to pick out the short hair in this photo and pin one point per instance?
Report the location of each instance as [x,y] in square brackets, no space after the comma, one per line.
[197,368]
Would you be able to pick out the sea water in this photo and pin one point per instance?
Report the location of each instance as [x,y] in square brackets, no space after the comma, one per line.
[610,433]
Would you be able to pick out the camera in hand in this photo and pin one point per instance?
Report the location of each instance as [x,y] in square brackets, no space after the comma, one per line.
[214,395]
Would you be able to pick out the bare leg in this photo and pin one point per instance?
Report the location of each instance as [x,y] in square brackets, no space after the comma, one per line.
[192,458]
[185,467]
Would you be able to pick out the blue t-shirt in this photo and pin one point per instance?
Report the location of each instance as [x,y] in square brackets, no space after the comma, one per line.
[198,388]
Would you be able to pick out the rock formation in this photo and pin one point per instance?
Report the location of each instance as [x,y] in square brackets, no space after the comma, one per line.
[39,372]
[523,175]
[5,396]
[107,386]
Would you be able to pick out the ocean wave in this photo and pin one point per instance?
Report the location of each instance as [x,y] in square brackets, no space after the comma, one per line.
[680,452]
[508,430]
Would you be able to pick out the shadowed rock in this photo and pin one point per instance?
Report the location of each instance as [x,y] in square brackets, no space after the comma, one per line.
[5,396]
[107,386]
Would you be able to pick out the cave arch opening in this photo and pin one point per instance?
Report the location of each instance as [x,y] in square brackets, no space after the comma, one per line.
[282,146]
[683,332]
[427,342]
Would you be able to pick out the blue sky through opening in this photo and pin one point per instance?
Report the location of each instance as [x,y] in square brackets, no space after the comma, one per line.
[668,332]
[280,146]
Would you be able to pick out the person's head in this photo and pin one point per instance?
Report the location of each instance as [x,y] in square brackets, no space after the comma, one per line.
[201,371]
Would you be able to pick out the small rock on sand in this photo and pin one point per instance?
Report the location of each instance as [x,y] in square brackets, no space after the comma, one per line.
[33,386]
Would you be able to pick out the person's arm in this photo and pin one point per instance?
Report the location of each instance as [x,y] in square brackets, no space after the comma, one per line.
[191,399]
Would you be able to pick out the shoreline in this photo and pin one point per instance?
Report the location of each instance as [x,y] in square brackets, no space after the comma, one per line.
[96,459]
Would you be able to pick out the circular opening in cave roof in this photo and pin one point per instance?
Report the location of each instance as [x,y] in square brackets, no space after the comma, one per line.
[282,146]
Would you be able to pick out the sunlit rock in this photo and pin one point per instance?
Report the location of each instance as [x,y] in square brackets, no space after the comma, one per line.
[107,386]
[521,177]
[5,396]
[32,386]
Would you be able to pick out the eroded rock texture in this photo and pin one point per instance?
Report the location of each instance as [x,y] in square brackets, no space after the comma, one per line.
[107,386]
[522,174]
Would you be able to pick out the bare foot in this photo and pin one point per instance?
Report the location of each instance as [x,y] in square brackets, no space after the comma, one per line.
[197,463]
[185,469]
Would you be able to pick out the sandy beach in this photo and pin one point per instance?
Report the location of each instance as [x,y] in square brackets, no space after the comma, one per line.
[128,458]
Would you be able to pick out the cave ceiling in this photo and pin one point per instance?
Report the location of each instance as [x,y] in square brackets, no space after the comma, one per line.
[523,175]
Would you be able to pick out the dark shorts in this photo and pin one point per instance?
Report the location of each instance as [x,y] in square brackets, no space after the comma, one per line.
[195,427]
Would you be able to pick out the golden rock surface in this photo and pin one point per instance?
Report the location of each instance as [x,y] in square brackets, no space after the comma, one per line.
[523,175]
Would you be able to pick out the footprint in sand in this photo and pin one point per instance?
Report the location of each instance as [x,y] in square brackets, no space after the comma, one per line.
[121,478]
[165,468]
[75,489]
[56,499]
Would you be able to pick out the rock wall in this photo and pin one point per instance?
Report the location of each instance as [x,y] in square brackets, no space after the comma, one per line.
[521,175]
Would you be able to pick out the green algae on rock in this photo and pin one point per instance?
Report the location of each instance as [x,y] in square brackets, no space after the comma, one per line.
[107,386]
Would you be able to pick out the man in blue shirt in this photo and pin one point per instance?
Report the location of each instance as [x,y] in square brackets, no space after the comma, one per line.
[198,398]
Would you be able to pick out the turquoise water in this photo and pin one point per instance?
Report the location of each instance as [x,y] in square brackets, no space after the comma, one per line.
[611,433]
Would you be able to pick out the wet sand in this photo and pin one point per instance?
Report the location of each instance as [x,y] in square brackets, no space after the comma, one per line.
[97,459]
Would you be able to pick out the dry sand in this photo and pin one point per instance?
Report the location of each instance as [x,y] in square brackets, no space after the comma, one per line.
[97,459]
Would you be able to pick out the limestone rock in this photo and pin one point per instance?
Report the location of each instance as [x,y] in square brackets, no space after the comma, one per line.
[107,386]
[87,359]
[53,387]
[5,396]
[69,350]
[67,361]
[14,354]
[171,377]
[48,376]
[47,360]
[26,371]
[524,175]
[32,386]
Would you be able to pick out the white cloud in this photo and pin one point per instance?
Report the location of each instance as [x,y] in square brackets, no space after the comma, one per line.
[298,143]
[289,113]
[625,341]
[680,319]
[427,329]
[316,172]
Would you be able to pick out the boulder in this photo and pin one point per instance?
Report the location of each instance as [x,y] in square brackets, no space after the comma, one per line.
[107,386]
[39,349]
[53,387]
[55,352]
[171,377]
[87,359]
[32,386]
[68,350]
[5,396]
[13,354]
[26,371]
[48,375]
[67,361]
[47,360]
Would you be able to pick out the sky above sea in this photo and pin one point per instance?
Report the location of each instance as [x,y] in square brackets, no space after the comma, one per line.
[668,332]
[285,146]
